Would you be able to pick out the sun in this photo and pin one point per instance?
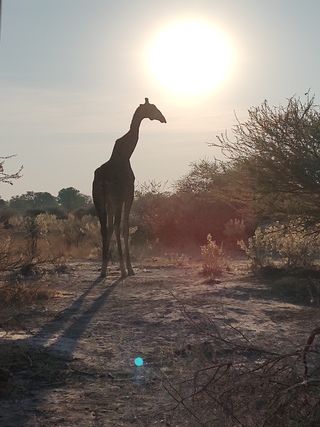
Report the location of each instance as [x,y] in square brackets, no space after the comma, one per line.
[190,57]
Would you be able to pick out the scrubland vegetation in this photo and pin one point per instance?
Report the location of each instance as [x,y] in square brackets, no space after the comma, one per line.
[262,198]
[261,204]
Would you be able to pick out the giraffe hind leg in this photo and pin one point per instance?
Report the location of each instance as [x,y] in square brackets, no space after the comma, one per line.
[127,208]
[106,228]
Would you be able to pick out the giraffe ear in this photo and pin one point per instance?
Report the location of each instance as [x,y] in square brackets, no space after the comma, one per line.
[146,100]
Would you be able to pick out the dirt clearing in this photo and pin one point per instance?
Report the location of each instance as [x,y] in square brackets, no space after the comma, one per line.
[73,362]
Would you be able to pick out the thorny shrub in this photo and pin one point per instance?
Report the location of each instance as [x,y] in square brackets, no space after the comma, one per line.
[213,261]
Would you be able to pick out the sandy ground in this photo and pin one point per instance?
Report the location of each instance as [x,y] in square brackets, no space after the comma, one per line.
[92,330]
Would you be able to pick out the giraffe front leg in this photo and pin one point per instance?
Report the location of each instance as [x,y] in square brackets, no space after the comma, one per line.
[106,225]
[126,237]
[105,251]
[126,248]
[117,224]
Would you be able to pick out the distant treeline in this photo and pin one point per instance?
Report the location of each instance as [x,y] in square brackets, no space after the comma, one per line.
[32,203]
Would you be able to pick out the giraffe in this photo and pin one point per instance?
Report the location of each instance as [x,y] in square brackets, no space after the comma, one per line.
[113,188]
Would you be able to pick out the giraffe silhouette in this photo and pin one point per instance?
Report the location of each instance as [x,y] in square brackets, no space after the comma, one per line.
[113,188]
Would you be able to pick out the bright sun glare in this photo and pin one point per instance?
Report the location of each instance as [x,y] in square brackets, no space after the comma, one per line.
[190,58]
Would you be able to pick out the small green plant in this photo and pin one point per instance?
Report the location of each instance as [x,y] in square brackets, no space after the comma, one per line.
[213,261]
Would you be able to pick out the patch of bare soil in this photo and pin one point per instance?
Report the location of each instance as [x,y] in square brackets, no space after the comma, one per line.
[72,364]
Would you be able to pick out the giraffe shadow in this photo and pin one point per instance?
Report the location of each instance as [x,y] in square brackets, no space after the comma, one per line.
[57,323]
[68,340]
[69,336]
[40,363]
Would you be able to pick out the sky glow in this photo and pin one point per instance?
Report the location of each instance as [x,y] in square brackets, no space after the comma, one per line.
[73,72]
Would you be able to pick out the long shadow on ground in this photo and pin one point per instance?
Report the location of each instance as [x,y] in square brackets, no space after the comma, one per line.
[33,367]
[75,331]
[78,326]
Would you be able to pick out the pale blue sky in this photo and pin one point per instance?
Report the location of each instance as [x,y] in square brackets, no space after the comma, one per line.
[72,73]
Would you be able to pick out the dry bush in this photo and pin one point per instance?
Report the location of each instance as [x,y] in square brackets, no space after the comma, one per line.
[79,237]
[36,228]
[24,293]
[26,242]
[11,253]
[44,238]
[284,245]
[26,258]
[213,260]
[9,257]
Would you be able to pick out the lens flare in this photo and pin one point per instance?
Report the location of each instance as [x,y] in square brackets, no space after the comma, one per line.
[138,361]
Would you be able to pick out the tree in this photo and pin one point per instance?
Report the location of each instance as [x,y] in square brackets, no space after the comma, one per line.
[277,155]
[203,177]
[44,200]
[31,200]
[208,200]
[71,199]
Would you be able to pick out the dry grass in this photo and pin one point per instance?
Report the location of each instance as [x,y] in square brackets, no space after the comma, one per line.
[22,294]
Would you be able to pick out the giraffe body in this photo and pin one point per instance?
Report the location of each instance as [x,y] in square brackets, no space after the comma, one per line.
[113,189]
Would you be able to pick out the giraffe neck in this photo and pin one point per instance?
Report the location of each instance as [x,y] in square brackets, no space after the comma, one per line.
[126,145]
[133,133]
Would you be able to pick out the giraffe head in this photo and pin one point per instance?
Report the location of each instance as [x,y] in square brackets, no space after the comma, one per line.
[150,111]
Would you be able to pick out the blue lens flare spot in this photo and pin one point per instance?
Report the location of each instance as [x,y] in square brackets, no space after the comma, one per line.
[138,361]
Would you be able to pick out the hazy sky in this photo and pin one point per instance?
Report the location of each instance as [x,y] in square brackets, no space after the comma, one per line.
[72,72]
